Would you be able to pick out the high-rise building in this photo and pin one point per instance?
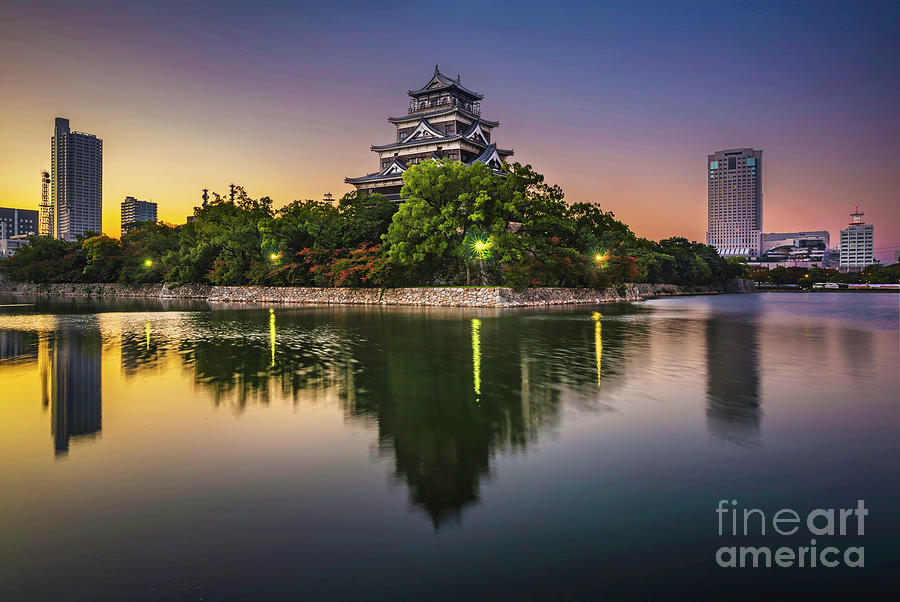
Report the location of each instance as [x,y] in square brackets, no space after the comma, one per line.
[857,243]
[735,201]
[134,210]
[76,181]
[443,122]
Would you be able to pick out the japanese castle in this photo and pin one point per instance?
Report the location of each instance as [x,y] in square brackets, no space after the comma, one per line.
[443,122]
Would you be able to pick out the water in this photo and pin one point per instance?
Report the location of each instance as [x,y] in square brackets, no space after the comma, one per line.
[154,451]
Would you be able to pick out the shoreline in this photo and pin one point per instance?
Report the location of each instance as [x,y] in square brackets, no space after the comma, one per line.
[410,296]
[828,290]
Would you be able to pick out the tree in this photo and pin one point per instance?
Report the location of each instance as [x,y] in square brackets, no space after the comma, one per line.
[104,256]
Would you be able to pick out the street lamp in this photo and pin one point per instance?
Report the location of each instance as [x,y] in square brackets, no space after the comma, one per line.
[481,247]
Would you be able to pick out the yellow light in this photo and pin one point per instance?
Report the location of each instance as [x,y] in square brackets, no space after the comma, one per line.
[274,256]
[476,355]
[598,342]
[148,262]
[272,333]
[148,336]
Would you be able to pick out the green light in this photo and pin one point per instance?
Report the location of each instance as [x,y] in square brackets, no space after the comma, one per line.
[476,355]
[598,342]
[481,247]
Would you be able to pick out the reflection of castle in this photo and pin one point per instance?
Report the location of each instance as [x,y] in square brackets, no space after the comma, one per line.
[732,389]
[75,397]
[446,393]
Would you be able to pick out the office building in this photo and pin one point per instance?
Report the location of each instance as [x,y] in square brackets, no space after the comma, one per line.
[134,210]
[735,201]
[857,244]
[16,225]
[76,187]
[19,222]
[443,122]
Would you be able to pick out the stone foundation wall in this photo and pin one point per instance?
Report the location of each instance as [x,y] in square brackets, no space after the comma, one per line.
[437,296]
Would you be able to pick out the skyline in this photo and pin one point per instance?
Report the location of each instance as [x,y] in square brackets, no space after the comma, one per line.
[618,105]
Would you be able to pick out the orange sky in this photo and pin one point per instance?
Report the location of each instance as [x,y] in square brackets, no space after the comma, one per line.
[286,104]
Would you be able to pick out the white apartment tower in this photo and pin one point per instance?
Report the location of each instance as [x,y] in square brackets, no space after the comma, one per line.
[734,210]
[857,243]
[76,187]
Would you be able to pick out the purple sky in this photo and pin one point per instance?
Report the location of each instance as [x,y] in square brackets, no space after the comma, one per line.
[618,103]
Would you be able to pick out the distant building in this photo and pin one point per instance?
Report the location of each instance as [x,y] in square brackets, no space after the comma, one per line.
[857,244]
[15,227]
[76,181]
[734,203]
[443,122]
[796,246]
[19,221]
[134,211]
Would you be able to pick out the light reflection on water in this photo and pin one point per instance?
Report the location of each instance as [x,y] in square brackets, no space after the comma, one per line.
[483,420]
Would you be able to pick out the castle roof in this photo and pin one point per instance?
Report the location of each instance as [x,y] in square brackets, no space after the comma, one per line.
[440,112]
[440,82]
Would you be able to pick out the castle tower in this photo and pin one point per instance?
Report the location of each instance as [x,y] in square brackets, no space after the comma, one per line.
[443,122]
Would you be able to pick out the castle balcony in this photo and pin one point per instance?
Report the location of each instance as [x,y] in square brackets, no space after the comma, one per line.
[445,102]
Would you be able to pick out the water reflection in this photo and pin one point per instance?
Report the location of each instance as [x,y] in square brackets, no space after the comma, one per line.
[733,389]
[445,392]
[75,377]
[17,346]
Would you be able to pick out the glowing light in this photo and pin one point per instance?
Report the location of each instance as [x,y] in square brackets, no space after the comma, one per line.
[275,256]
[598,342]
[272,333]
[147,329]
[601,258]
[148,263]
[476,355]
[481,247]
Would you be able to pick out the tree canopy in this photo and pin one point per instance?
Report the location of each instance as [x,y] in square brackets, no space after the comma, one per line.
[457,224]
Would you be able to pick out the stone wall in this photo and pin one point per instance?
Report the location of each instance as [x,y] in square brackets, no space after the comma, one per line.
[437,296]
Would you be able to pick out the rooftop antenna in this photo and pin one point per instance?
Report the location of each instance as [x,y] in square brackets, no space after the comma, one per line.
[231,196]
[205,196]
[856,217]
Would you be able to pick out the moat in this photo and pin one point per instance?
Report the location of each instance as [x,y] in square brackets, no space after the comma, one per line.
[183,450]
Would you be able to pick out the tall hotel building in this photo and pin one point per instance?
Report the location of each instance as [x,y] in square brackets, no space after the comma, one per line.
[134,210]
[76,182]
[734,211]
